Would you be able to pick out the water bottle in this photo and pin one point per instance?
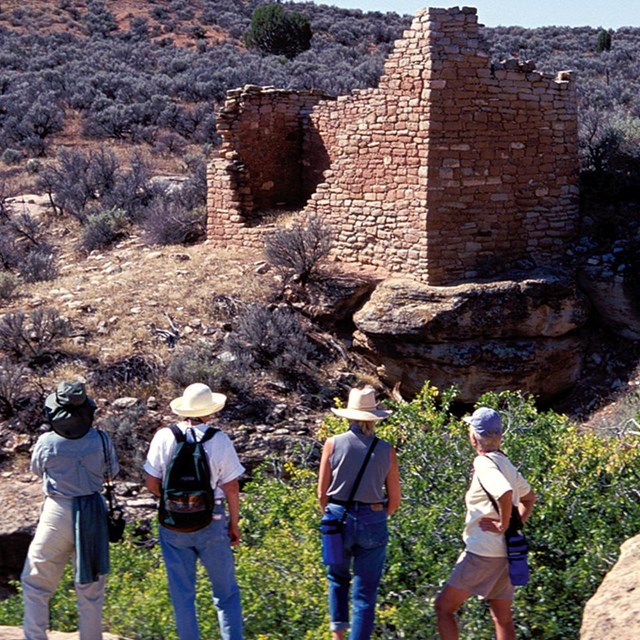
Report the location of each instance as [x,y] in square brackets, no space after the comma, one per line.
[332,542]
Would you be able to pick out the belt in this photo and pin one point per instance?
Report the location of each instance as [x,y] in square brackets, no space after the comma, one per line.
[345,503]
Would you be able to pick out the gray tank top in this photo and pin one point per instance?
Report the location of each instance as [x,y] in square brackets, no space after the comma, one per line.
[349,451]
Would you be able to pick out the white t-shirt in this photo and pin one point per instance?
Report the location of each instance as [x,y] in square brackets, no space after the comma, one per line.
[223,460]
[497,480]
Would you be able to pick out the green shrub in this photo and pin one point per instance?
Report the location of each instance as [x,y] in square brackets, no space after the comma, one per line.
[39,265]
[278,32]
[9,282]
[34,338]
[298,250]
[103,229]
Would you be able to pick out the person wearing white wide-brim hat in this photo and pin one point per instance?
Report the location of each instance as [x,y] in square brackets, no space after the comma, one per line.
[180,548]
[365,514]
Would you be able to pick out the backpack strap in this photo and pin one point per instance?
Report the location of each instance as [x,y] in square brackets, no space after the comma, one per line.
[180,437]
[208,434]
[177,433]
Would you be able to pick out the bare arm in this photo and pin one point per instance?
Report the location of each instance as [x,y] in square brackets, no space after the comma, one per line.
[526,505]
[324,474]
[392,484]
[501,524]
[232,493]
[153,484]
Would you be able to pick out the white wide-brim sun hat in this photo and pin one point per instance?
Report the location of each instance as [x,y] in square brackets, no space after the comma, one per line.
[362,405]
[197,400]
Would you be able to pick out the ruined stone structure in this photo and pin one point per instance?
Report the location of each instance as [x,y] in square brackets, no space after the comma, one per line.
[450,170]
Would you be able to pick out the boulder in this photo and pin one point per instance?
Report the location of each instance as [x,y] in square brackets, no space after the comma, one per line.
[614,611]
[510,334]
[544,367]
[612,298]
[331,301]
[22,502]
[546,305]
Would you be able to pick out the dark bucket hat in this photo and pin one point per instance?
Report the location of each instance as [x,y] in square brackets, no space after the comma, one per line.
[69,410]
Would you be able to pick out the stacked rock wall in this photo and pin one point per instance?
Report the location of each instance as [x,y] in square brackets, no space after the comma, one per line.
[450,170]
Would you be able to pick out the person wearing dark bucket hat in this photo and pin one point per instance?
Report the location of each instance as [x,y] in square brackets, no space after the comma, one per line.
[483,569]
[358,487]
[70,458]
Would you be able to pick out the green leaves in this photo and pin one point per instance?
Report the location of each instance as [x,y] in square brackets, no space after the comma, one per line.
[275,31]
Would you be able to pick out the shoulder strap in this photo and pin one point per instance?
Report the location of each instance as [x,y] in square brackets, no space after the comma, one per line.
[105,453]
[208,434]
[108,476]
[177,433]
[516,520]
[356,484]
[180,437]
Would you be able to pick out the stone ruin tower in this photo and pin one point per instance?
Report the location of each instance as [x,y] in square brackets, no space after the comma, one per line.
[451,170]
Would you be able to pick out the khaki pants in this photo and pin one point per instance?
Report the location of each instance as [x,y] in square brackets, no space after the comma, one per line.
[48,553]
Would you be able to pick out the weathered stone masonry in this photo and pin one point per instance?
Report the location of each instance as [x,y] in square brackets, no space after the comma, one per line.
[450,170]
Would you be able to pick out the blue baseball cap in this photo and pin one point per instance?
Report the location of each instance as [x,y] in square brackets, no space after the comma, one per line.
[485,422]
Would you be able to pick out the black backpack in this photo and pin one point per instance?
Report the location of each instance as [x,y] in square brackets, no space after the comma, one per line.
[186,503]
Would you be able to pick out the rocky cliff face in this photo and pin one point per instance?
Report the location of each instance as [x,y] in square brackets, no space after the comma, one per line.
[614,610]
[519,333]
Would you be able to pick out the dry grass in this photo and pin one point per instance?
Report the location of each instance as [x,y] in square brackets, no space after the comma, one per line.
[114,299]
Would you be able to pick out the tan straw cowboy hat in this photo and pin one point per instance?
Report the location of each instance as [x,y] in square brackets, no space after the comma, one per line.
[362,405]
[197,400]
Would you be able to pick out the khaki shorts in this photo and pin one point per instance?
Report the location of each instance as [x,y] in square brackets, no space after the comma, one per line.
[483,576]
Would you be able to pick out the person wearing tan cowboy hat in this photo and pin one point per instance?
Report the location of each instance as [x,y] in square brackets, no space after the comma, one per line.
[358,453]
[71,460]
[211,543]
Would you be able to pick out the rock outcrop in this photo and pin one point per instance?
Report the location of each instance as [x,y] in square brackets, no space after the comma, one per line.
[612,298]
[22,505]
[614,611]
[520,333]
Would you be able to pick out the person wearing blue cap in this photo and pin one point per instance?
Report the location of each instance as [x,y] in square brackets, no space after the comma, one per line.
[482,569]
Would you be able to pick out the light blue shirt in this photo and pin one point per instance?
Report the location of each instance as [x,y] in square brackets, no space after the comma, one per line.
[71,468]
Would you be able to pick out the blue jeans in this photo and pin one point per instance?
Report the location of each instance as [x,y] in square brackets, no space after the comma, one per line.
[365,546]
[211,546]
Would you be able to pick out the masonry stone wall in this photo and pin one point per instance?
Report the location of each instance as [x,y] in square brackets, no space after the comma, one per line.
[450,170]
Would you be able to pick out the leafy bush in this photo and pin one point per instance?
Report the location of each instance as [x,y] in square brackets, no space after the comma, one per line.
[13,386]
[604,41]
[137,368]
[298,250]
[278,32]
[9,282]
[272,339]
[33,338]
[39,265]
[11,156]
[171,223]
[131,430]
[205,363]
[103,229]
[584,482]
